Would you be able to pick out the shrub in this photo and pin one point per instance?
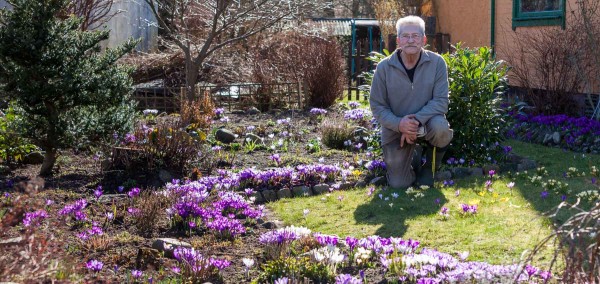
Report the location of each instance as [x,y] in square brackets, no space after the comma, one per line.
[198,114]
[335,133]
[476,83]
[57,75]
[152,206]
[316,62]
[12,146]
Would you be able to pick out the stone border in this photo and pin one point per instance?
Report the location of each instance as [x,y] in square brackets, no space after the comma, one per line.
[514,163]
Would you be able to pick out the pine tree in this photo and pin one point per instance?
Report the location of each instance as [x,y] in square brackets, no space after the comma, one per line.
[68,91]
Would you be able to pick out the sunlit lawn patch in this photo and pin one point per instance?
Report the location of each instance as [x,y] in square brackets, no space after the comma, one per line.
[508,221]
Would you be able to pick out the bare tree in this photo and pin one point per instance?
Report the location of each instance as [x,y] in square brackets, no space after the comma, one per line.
[201,27]
[95,13]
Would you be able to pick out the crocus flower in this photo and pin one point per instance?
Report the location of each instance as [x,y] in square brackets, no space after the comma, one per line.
[94,265]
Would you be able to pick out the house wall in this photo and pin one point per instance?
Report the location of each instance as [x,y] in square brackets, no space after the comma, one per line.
[467,21]
[135,19]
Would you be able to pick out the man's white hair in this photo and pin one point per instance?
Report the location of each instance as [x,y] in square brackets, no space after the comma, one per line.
[410,21]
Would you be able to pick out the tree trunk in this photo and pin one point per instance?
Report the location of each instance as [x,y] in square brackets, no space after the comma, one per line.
[191,77]
[48,164]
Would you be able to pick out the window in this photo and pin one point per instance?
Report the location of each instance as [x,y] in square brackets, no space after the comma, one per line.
[527,13]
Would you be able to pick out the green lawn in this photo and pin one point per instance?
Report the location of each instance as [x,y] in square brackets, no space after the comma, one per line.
[508,222]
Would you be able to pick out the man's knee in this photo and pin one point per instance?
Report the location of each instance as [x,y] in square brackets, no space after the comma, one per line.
[439,132]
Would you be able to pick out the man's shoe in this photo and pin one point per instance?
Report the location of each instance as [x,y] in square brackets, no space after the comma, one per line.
[425,176]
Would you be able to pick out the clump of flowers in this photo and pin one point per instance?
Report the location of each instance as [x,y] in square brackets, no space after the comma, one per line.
[574,172]
[277,242]
[376,167]
[328,255]
[353,104]
[94,265]
[468,210]
[197,268]
[34,218]
[594,171]
[445,212]
[556,186]
[358,115]
[219,112]
[416,193]
[75,210]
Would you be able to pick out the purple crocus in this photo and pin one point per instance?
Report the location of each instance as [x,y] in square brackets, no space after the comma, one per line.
[544,194]
[136,274]
[98,192]
[134,192]
[94,265]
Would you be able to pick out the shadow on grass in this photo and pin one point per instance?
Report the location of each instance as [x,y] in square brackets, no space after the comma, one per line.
[393,213]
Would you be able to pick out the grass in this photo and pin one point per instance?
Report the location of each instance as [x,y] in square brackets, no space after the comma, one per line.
[509,222]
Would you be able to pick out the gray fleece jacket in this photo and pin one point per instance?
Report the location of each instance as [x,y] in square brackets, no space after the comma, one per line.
[394,96]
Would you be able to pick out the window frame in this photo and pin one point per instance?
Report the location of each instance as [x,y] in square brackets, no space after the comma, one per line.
[542,18]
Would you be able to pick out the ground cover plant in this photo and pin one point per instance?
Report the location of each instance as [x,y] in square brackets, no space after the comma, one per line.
[472,224]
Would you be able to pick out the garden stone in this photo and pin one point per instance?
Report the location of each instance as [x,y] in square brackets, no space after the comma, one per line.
[168,245]
[361,183]
[301,191]
[460,172]
[33,158]
[528,164]
[269,195]
[11,241]
[513,158]
[321,188]
[284,193]
[258,198]
[345,186]
[110,198]
[164,176]
[224,135]
[547,138]
[556,137]
[488,168]
[378,181]
[251,137]
[270,225]
[508,167]
[443,175]
[238,111]
[252,111]
[476,172]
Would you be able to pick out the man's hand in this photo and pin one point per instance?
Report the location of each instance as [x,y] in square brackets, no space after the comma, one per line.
[410,139]
[409,126]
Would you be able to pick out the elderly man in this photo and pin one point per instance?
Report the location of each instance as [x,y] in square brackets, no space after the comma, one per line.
[409,98]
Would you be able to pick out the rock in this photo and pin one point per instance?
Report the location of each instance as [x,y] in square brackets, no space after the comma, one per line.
[460,172]
[109,198]
[508,167]
[345,185]
[251,137]
[224,135]
[321,188]
[164,176]
[476,172]
[513,158]
[284,193]
[378,181]
[556,137]
[443,175]
[269,195]
[547,138]
[168,245]
[238,111]
[33,158]
[301,191]
[271,225]
[528,164]
[252,111]
[11,241]
[258,198]
[361,183]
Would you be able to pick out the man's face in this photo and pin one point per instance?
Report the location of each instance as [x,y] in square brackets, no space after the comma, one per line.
[411,40]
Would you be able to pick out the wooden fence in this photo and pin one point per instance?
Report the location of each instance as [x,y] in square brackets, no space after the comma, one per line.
[232,97]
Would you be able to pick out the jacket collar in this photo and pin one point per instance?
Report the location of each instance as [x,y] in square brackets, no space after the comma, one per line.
[395,61]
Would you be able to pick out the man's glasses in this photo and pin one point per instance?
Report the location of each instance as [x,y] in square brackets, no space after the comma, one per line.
[406,37]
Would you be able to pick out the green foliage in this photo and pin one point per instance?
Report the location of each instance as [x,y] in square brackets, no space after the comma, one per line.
[63,84]
[294,268]
[477,81]
[368,75]
[12,146]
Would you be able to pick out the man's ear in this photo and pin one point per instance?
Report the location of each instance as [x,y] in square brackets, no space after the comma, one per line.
[424,40]
[397,43]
